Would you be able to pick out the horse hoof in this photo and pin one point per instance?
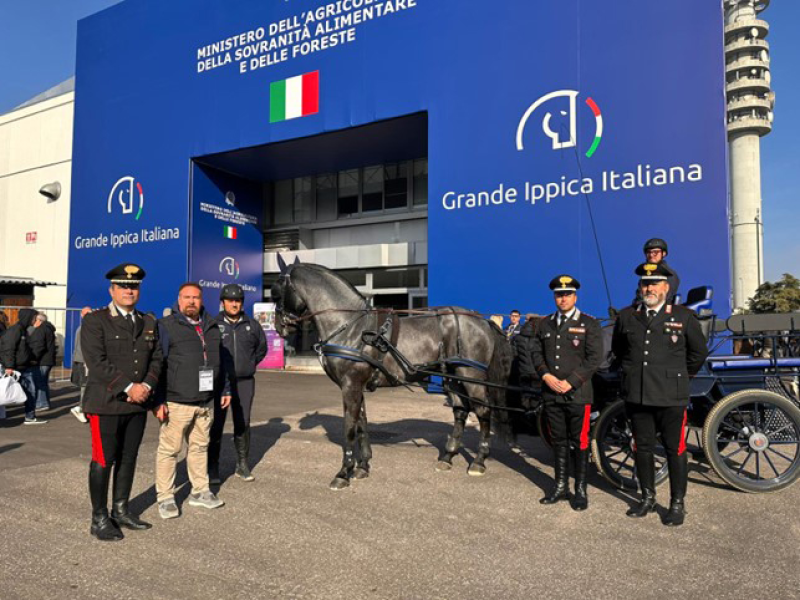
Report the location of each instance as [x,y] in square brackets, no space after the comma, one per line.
[339,484]
[476,470]
[360,473]
[443,466]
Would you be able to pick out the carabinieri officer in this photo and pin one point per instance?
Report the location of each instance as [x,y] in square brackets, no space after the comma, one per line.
[121,351]
[567,350]
[660,347]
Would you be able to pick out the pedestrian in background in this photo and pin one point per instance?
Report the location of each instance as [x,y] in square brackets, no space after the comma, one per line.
[16,355]
[42,341]
[79,373]
[244,345]
[191,343]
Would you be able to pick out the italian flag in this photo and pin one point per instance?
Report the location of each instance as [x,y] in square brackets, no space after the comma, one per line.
[294,97]
[230,232]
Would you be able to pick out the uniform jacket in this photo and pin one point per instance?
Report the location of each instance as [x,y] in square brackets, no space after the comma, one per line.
[244,345]
[184,355]
[673,280]
[572,353]
[116,358]
[658,357]
[14,350]
[43,344]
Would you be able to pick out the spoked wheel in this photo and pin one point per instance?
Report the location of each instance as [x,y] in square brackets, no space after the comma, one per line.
[752,440]
[613,447]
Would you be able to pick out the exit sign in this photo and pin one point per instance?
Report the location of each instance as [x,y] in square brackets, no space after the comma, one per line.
[30,237]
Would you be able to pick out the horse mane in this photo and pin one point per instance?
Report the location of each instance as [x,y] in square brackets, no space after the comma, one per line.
[326,271]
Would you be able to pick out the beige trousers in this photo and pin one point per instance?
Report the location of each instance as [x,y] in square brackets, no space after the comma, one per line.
[190,423]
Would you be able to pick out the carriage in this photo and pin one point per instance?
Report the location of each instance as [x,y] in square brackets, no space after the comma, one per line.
[745,399]
[744,411]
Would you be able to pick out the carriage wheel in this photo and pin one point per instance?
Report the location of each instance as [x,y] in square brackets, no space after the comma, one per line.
[544,430]
[612,449]
[752,440]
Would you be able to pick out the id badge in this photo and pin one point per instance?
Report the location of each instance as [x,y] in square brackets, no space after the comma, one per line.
[206,379]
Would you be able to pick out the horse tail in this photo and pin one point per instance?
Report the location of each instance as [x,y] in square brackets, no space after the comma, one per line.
[498,373]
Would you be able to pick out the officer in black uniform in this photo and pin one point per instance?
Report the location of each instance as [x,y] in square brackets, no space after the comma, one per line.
[567,350]
[655,252]
[244,345]
[660,347]
[121,351]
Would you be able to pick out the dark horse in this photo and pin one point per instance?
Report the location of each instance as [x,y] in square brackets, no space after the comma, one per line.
[341,315]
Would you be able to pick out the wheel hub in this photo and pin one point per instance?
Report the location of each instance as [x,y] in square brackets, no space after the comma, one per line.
[759,442]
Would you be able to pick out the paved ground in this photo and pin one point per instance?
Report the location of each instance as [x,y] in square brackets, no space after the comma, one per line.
[406,532]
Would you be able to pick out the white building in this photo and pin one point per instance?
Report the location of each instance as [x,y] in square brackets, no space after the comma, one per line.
[36,150]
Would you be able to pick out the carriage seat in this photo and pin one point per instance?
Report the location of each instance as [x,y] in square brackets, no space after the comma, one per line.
[699,298]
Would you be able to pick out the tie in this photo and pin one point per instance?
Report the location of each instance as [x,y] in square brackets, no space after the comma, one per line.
[561,320]
[651,314]
[129,322]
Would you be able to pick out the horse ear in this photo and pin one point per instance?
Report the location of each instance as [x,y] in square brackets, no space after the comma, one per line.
[281,264]
[296,260]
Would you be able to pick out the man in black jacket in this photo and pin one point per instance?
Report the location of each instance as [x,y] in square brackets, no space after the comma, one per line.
[123,357]
[244,345]
[660,347]
[16,355]
[44,346]
[191,342]
[567,350]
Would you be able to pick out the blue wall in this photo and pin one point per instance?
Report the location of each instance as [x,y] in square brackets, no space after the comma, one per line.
[655,70]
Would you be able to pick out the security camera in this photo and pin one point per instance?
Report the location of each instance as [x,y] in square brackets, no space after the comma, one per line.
[51,191]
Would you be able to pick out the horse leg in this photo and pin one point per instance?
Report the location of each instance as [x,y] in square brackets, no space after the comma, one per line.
[453,444]
[364,448]
[352,400]
[478,466]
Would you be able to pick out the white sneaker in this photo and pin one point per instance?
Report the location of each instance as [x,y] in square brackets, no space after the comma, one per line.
[35,421]
[205,500]
[78,413]
[168,509]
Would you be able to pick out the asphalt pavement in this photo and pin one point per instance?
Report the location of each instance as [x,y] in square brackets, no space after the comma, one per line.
[408,531]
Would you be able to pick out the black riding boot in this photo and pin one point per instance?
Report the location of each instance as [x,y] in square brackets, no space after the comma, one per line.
[213,460]
[561,491]
[242,444]
[646,472]
[581,499]
[123,482]
[102,528]
[678,478]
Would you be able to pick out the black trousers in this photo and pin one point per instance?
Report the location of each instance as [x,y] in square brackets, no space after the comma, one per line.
[241,404]
[116,438]
[568,422]
[669,421]
[648,421]
[115,443]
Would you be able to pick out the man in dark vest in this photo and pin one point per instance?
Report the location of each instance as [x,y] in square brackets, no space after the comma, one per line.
[567,350]
[192,345]
[244,345]
[659,347]
[123,357]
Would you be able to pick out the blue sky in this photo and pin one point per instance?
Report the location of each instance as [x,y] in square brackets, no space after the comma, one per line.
[37,51]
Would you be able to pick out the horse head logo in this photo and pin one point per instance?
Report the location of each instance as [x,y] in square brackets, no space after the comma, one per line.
[126,191]
[556,136]
[230,267]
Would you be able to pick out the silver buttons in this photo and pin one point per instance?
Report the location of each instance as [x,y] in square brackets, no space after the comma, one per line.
[645,364]
[645,352]
[557,357]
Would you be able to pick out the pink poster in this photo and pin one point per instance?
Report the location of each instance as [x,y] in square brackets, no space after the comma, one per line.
[264,313]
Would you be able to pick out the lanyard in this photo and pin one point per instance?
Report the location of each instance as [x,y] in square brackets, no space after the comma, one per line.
[202,337]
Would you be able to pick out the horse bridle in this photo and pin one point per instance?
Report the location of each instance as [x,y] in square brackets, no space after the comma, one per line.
[288,318]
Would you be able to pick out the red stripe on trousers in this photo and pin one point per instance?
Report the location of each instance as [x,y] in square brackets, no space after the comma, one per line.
[97,441]
[587,416]
[311,93]
[682,443]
